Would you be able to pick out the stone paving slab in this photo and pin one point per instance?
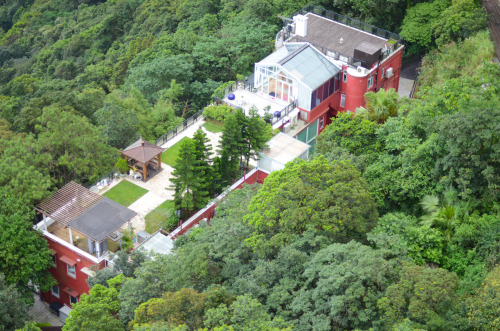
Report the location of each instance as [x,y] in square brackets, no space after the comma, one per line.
[41,313]
[159,186]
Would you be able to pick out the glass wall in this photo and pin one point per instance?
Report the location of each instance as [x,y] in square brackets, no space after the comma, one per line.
[276,84]
[325,90]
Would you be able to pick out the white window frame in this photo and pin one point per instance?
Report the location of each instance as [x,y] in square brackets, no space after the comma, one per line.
[370,82]
[342,100]
[71,300]
[383,73]
[344,77]
[56,294]
[321,122]
[71,274]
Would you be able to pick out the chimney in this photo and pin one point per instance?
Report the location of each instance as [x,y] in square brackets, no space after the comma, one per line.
[300,25]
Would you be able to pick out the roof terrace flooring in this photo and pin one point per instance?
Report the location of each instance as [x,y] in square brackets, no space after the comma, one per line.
[246,99]
[79,239]
[295,130]
[326,33]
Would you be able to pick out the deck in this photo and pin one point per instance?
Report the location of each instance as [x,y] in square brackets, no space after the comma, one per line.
[79,239]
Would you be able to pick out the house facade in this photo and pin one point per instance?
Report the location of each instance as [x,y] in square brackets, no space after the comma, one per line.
[82,228]
[324,63]
[369,59]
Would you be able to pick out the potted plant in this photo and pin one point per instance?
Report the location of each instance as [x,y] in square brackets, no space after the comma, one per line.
[122,167]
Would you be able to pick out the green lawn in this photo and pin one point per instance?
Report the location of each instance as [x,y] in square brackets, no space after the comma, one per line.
[157,218]
[125,193]
[213,127]
[170,155]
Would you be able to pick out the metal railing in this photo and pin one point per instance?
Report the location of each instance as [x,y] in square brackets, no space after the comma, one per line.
[179,128]
[348,21]
[414,87]
[106,179]
[285,111]
[285,34]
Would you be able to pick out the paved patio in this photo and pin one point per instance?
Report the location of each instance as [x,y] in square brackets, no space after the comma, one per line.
[159,186]
[40,313]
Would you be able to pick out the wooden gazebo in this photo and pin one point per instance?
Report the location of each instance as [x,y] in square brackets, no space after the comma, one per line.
[141,154]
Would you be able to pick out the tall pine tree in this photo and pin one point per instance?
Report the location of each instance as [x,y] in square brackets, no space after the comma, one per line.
[258,134]
[203,152]
[189,180]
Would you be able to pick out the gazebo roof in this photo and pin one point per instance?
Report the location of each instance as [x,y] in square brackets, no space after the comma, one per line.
[142,151]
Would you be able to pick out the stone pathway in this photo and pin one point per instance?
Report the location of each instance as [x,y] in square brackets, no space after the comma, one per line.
[158,186]
[40,313]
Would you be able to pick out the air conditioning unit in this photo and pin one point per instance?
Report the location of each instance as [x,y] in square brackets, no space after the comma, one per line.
[287,127]
[389,73]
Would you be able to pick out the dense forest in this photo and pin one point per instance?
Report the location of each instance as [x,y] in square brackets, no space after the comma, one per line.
[393,224]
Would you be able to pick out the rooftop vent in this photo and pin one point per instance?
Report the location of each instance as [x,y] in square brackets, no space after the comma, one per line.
[341,40]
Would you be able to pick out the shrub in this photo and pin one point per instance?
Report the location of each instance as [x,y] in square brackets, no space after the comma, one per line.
[217,113]
[122,166]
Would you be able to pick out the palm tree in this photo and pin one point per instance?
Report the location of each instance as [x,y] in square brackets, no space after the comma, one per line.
[380,106]
[443,213]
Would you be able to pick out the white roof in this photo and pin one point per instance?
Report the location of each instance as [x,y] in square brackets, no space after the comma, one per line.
[158,243]
[283,148]
[304,62]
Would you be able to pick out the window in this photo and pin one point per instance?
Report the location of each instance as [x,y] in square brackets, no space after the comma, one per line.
[342,100]
[370,82]
[71,270]
[55,291]
[345,77]
[383,72]
[73,300]
[54,259]
[321,122]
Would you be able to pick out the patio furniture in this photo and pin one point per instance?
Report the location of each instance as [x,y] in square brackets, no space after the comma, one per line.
[142,153]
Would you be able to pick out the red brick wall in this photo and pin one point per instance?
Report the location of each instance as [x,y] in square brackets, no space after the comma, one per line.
[78,283]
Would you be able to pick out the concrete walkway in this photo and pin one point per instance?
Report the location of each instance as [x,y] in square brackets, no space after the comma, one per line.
[159,187]
[40,313]
[407,77]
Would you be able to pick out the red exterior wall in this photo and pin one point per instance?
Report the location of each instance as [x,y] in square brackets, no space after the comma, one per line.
[356,87]
[78,284]
[393,62]
[355,90]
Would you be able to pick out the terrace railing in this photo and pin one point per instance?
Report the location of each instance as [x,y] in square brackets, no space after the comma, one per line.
[285,111]
[285,33]
[348,21]
[179,128]
[106,179]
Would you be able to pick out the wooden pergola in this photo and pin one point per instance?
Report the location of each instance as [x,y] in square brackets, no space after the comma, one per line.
[141,154]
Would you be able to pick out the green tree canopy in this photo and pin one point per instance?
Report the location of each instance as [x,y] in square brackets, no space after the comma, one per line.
[72,148]
[423,295]
[24,253]
[14,309]
[484,311]
[380,105]
[330,198]
[342,285]
[96,310]
[189,179]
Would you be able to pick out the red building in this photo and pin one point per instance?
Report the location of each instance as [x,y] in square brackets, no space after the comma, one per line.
[81,228]
[324,63]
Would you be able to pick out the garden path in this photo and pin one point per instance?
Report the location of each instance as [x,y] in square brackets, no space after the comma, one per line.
[159,186]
